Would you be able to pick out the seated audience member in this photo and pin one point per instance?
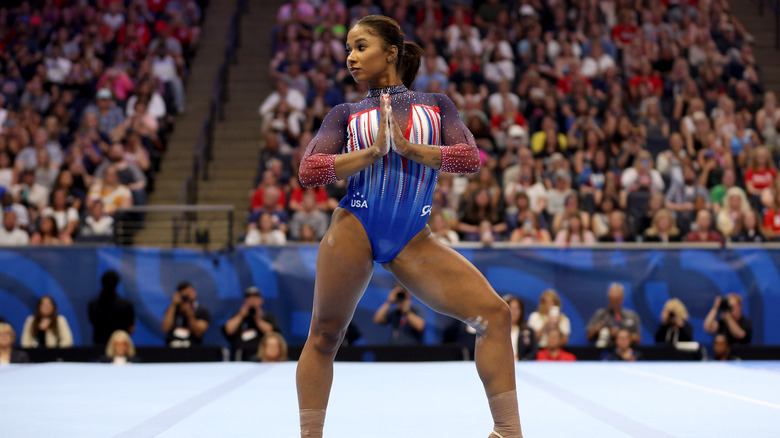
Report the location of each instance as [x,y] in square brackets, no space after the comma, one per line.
[247,327]
[45,328]
[623,350]
[574,233]
[617,229]
[66,217]
[265,233]
[272,348]
[309,214]
[119,349]
[49,234]
[109,312]
[732,323]
[308,235]
[110,191]
[405,320]
[547,316]
[185,320]
[530,232]
[441,229]
[663,229]
[704,231]
[523,338]
[554,350]
[674,325]
[732,213]
[605,323]
[8,354]
[749,230]
[721,350]
[97,223]
[10,234]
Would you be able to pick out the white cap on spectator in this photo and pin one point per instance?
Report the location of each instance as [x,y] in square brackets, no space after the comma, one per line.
[527,11]
[517,131]
[104,93]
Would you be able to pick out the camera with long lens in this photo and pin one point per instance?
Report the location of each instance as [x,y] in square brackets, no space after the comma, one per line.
[725,306]
[400,296]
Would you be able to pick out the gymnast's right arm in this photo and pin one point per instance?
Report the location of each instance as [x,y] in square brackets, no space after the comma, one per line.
[323,163]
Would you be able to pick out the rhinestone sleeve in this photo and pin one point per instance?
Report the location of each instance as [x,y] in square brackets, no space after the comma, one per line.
[460,158]
[318,170]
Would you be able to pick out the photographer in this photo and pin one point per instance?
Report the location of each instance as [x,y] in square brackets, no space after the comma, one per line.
[602,329]
[407,325]
[185,320]
[674,326]
[731,323]
[249,325]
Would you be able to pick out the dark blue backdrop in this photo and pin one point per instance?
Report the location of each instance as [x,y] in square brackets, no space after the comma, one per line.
[286,276]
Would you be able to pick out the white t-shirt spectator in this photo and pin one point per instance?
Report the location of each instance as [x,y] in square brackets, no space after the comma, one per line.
[62,218]
[155,107]
[593,67]
[164,68]
[58,69]
[98,227]
[114,20]
[537,321]
[275,237]
[294,99]
[16,237]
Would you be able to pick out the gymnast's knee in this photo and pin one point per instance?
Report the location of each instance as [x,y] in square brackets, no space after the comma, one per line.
[499,317]
[326,336]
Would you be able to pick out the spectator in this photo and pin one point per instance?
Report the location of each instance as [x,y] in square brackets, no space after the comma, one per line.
[109,312]
[530,232]
[548,316]
[704,231]
[554,350]
[165,68]
[46,328]
[674,325]
[663,229]
[129,174]
[643,177]
[721,349]
[113,194]
[571,207]
[600,220]
[97,224]
[29,192]
[617,229]
[605,323]
[718,193]
[479,208]
[185,321]
[311,215]
[272,348]
[623,351]
[441,229]
[49,234]
[404,319]
[574,233]
[10,234]
[265,232]
[66,217]
[760,173]
[7,174]
[120,349]
[732,323]
[8,354]
[249,326]
[733,212]
[749,230]
[109,115]
[523,337]
[558,195]
[681,196]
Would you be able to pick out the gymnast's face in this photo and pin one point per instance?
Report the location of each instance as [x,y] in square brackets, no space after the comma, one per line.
[367,57]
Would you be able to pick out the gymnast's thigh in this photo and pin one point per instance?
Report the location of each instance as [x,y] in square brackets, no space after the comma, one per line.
[443,279]
[344,268]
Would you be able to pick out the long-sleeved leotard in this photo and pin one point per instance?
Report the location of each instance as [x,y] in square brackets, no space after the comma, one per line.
[392,197]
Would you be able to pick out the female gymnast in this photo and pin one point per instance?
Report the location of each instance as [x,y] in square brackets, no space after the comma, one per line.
[392,171]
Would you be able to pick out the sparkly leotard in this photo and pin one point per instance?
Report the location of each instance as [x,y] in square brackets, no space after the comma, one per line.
[392,197]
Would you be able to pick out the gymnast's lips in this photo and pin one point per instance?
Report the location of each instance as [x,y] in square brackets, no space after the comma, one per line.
[353,69]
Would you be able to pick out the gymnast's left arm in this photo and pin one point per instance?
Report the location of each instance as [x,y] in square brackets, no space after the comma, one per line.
[458,153]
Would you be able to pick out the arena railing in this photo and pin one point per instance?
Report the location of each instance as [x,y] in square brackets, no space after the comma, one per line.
[189,224]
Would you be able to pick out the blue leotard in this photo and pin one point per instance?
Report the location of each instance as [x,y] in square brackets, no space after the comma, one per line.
[392,197]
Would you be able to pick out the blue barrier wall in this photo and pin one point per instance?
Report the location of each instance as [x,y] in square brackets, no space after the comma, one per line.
[286,276]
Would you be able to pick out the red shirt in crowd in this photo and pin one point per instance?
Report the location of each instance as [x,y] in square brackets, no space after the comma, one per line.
[654,83]
[761,179]
[156,6]
[712,236]
[772,220]
[624,33]
[257,199]
[563,356]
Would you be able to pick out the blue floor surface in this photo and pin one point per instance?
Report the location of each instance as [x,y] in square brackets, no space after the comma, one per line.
[599,400]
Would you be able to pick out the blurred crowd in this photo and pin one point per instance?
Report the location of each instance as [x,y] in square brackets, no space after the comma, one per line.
[597,121]
[88,95]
